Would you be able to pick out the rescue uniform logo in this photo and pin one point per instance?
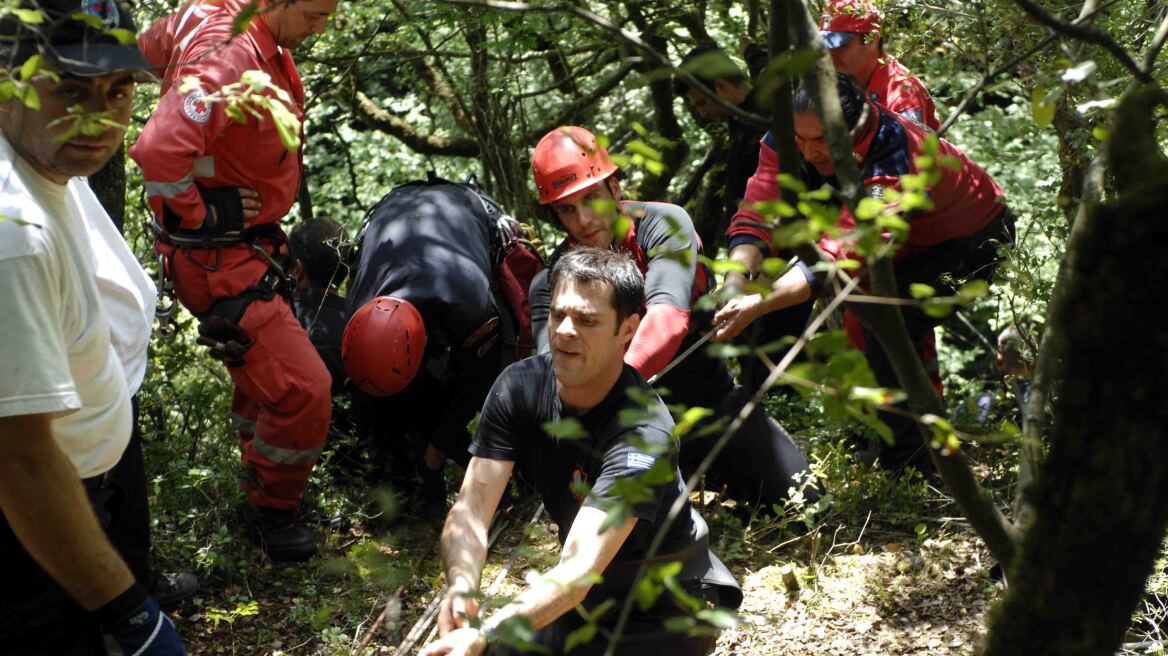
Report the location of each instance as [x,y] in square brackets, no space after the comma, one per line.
[105,11]
[578,484]
[197,109]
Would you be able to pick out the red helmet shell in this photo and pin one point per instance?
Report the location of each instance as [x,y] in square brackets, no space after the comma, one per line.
[383,346]
[852,16]
[567,160]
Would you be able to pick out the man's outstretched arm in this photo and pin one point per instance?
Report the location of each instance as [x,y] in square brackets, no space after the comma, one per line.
[464,538]
[587,551]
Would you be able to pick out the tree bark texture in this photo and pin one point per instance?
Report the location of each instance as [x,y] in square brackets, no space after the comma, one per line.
[1100,511]
[109,184]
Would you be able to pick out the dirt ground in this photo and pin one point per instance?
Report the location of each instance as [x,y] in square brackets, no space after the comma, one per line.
[878,598]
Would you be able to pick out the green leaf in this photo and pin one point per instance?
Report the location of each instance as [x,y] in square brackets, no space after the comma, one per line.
[568,428]
[722,267]
[973,290]
[92,21]
[244,17]
[29,96]
[689,419]
[30,67]
[921,291]
[29,16]
[648,591]
[617,514]
[580,636]
[1041,108]
[124,36]
[774,267]
[719,617]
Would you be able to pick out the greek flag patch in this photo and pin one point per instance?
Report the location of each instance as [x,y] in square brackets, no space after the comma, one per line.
[639,461]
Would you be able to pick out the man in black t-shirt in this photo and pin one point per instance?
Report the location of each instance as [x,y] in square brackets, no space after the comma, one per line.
[618,460]
[574,176]
[430,329]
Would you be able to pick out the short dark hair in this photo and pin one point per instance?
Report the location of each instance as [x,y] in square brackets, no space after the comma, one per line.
[707,64]
[852,99]
[609,267]
[324,248]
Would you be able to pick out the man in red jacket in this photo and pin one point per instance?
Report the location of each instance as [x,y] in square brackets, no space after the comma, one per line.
[851,29]
[956,238]
[219,188]
[575,177]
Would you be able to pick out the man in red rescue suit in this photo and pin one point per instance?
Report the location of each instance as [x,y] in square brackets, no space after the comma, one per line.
[851,29]
[852,32]
[574,175]
[219,189]
[956,239]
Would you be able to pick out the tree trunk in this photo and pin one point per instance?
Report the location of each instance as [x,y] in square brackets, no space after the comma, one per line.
[1099,502]
[109,184]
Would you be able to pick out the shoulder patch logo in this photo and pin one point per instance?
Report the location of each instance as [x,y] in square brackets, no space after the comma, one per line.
[639,461]
[196,107]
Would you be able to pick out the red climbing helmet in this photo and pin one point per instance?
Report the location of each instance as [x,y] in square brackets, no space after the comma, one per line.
[383,346]
[567,160]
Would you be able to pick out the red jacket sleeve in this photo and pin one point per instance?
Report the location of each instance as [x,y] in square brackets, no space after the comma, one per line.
[762,186]
[658,338]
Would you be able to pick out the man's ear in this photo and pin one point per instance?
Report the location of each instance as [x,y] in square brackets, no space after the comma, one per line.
[614,187]
[628,328]
[723,87]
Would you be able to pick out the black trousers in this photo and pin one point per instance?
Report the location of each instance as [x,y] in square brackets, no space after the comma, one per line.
[37,616]
[760,461]
[958,260]
[768,329]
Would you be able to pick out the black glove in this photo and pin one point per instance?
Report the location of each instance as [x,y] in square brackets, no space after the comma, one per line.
[226,339]
[137,628]
[224,209]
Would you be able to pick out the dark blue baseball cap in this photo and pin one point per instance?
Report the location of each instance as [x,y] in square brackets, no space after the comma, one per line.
[83,37]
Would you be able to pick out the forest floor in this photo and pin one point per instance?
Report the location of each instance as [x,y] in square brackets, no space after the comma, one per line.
[873,587]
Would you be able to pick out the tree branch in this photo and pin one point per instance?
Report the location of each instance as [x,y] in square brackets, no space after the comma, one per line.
[1087,33]
[749,118]
[572,109]
[1050,361]
[887,323]
[428,144]
[1084,17]
[1157,45]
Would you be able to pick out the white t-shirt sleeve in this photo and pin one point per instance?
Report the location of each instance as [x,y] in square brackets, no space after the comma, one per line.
[35,376]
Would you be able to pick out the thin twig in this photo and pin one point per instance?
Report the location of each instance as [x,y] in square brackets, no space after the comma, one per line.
[1088,34]
[637,42]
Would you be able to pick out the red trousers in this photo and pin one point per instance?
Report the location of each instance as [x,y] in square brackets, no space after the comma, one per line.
[282,404]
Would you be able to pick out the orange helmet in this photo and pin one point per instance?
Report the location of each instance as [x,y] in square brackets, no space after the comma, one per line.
[567,160]
[383,346]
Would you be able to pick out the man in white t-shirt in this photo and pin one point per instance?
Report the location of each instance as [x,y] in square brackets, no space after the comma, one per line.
[65,415]
[129,296]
